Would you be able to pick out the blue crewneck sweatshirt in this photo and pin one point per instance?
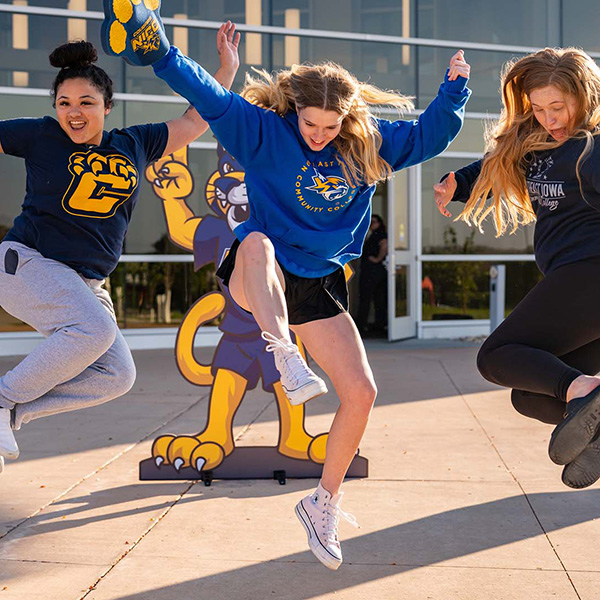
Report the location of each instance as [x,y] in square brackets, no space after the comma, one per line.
[567,227]
[315,218]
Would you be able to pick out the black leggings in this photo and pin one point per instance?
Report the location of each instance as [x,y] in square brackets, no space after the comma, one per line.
[548,340]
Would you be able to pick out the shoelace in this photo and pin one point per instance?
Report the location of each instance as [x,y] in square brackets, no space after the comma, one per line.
[334,513]
[292,360]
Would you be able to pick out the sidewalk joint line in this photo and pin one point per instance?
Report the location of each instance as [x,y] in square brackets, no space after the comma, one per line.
[103,466]
[525,495]
[167,510]
[259,414]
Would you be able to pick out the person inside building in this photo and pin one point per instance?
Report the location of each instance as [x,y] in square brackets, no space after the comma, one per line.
[372,283]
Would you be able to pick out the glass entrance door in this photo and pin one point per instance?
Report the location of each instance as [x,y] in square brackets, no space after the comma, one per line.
[404,192]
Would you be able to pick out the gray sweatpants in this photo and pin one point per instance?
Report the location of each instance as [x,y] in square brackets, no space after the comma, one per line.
[84,359]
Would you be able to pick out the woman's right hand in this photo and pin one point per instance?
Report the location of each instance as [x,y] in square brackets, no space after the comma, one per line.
[444,191]
[227,47]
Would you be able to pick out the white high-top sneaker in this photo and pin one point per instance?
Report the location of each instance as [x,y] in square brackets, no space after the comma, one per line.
[299,383]
[320,513]
[8,444]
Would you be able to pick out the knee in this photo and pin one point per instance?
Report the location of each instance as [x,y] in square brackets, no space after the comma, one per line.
[520,403]
[124,376]
[256,245]
[97,333]
[363,395]
[484,365]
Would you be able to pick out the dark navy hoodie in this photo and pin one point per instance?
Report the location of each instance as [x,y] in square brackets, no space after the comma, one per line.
[299,198]
[567,225]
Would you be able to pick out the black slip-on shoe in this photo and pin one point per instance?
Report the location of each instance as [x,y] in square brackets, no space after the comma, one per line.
[585,469]
[570,437]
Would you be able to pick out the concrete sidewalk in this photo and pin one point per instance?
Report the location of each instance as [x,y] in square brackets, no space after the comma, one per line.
[462,501]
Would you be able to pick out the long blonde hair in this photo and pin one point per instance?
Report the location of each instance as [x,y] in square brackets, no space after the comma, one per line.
[332,88]
[501,186]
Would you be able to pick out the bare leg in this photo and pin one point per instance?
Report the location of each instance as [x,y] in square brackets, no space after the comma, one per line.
[336,345]
[582,386]
[257,285]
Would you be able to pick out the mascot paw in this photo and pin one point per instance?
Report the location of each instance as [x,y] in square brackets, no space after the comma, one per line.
[187,451]
[316,449]
[134,30]
[159,449]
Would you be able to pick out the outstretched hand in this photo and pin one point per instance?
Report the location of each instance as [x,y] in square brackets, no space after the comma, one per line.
[444,192]
[227,46]
[459,67]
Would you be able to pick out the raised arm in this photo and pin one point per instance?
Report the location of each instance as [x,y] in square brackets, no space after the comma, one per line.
[407,143]
[456,186]
[173,183]
[191,125]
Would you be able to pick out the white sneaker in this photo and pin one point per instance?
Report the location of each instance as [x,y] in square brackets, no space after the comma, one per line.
[320,513]
[299,382]
[8,444]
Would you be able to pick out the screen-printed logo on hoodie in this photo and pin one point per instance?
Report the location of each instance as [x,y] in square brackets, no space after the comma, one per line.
[331,188]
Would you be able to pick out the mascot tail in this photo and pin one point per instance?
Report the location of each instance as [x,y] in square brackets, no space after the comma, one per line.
[204,310]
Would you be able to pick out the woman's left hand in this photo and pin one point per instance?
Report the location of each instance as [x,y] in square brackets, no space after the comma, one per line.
[227,47]
[459,67]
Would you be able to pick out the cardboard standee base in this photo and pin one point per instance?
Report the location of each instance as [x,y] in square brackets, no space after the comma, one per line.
[250,462]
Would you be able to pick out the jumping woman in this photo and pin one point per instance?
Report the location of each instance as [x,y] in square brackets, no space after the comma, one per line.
[312,152]
[82,186]
[542,165]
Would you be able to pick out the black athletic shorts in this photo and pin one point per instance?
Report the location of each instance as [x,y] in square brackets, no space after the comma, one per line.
[307,298]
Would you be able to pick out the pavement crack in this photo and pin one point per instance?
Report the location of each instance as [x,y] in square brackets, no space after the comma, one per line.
[103,466]
[509,471]
[138,541]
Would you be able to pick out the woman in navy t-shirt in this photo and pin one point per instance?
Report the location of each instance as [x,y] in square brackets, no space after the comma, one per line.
[82,186]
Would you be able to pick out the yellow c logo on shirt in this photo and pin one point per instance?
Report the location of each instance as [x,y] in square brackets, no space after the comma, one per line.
[100,184]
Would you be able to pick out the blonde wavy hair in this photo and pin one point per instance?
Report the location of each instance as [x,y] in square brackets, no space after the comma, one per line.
[332,88]
[501,186]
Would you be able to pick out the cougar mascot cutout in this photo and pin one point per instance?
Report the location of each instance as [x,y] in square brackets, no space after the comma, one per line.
[240,360]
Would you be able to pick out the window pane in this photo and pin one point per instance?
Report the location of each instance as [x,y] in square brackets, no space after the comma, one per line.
[461,290]
[578,31]
[27,42]
[157,294]
[488,22]
[445,236]
[384,65]
[484,80]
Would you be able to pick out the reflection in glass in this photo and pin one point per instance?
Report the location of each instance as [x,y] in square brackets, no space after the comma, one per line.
[441,235]
[490,22]
[401,282]
[401,228]
[484,80]
[148,294]
[157,294]
[461,290]
[379,64]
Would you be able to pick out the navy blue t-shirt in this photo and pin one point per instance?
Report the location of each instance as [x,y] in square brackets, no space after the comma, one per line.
[567,225]
[79,198]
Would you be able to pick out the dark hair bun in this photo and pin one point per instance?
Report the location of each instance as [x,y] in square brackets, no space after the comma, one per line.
[74,55]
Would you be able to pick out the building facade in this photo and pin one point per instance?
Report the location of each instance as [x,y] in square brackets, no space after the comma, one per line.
[438,269]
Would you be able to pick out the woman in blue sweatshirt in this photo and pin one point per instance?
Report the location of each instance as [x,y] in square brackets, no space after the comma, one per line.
[82,187]
[312,153]
[542,166]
